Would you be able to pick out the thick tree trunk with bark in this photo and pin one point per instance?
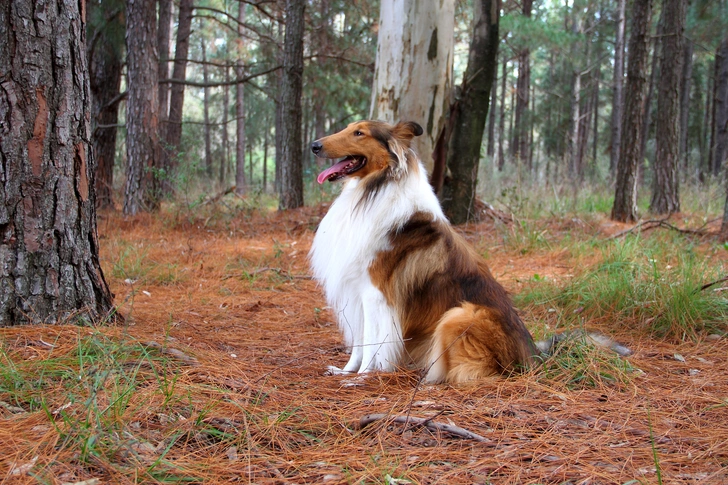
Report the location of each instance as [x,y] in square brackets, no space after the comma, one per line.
[173,132]
[617,87]
[142,122]
[719,139]
[491,115]
[523,87]
[665,188]
[291,170]
[625,199]
[105,63]
[413,76]
[163,40]
[206,110]
[241,185]
[647,110]
[48,238]
[471,112]
[687,77]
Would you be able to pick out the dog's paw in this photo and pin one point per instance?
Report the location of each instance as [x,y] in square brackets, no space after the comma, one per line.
[332,370]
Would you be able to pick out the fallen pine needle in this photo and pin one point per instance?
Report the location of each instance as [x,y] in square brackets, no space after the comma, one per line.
[427,422]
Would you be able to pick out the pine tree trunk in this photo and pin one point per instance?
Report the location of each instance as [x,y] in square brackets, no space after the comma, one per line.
[413,76]
[687,75]
[206,110]
[491,116]
[173,133]
[291,173]
[617,88]
[49,249]
[241,184]
[142,122]
[105,65]
[502,117]
[625,199]
[665,188]
[471,112]
[523,89]
[719,141]
[225,111]
[647,110]
[163,41]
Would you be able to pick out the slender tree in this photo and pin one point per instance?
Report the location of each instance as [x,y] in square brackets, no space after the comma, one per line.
[241,185]
[687,76]
[291,170]
[665,188]
[470,112]
[521,141]
[142,125]
[163,40]
[49,249]
[206,109]
[625,198]
[617,87]
[719,138]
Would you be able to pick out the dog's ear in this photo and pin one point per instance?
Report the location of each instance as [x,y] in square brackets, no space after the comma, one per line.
[406,130]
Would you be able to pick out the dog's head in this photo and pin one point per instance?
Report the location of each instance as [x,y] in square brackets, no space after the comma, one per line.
[367,148]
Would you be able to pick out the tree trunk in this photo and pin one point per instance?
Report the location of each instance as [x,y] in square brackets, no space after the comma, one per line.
[206,110]
[173,133]
[413,76]
[523,88]
[49,247]
[647,110]
[625,198]
[105,61]
[502,117]
[491,116]
[241,185]
[665,188]
[163,36]
[470,113]
[225,111]
[687,75]
[617,88]
[572,141]
[291,180]
[142,122]
[719,140]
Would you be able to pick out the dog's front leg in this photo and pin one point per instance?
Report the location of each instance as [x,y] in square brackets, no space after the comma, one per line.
[382,338]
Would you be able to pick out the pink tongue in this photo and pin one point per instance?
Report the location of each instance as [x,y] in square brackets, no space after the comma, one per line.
[337,167]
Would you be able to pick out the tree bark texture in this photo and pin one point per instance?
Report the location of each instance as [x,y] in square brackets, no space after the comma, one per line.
[625,198]
[225,111]
[647,110]
[491,116]
[163,37]
[719,141]
[617,87]
[685,87]
[105,61]
[413,76]
[206,110]
[241,185]
[502,117]
[665,188]
[523,87]
[142,119]
[471,112]
[49,264]
[173,131]
[291,170]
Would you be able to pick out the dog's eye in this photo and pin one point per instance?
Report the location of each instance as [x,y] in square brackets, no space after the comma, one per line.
[358,133]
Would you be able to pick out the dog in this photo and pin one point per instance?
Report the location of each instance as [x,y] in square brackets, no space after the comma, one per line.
[406,288]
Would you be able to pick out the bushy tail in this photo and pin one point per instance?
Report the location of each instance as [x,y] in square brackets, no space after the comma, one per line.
[599,340]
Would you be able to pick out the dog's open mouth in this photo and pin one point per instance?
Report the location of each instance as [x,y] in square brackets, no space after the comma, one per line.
[340,169]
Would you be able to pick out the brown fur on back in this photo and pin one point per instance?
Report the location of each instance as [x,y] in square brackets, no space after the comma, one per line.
[451,308]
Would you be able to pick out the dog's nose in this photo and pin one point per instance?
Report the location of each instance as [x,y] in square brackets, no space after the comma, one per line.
[316,146]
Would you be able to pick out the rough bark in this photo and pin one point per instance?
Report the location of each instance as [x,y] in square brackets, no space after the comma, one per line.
[502,118]
[173,131]
[225,111]
[105,63]
[470,113]
[647,110]
[142,122]
[50,271]
[665,188]
[413,76]
[625,199]
[241,185]
[617,87]
[291,170]
[491,116]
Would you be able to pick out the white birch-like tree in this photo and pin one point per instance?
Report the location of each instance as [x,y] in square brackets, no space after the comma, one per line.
[413,76]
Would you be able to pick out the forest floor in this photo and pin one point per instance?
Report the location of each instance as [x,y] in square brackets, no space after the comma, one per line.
[216,375]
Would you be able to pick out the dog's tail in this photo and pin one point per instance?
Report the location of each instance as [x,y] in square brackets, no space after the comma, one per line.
[548,346]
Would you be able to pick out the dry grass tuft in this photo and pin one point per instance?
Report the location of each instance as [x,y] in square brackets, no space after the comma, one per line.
[217,376]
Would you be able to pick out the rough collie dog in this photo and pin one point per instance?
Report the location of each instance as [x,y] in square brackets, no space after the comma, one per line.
[405,287]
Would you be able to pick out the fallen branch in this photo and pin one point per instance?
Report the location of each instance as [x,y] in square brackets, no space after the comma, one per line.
[712,283]
[219,196]
[426,422]
[647,225]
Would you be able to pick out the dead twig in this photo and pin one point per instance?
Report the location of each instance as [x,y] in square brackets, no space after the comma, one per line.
[426,422]
[644,226]
[712,283]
